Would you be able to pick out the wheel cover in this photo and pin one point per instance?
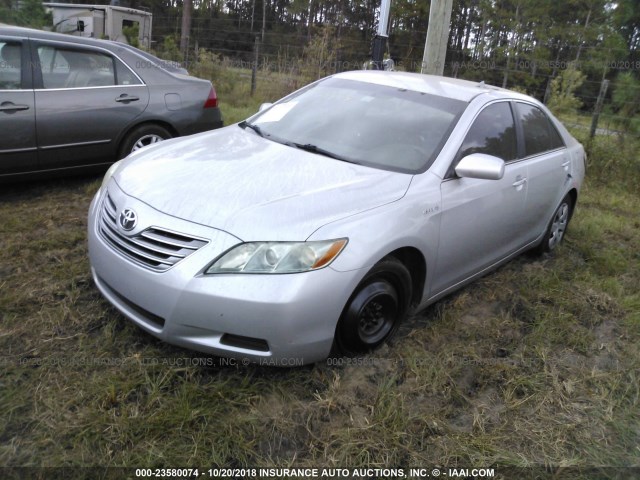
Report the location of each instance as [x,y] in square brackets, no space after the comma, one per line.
[377,312]
[558,225]
[146,140]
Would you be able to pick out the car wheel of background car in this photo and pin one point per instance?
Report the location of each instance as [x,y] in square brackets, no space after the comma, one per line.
[141,137]
[557,227]
[376,308]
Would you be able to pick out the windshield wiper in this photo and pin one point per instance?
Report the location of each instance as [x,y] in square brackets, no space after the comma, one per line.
[309,147]
[244,124]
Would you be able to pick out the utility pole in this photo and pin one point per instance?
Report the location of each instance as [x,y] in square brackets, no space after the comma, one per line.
[435,48]
[253,12]
[185,29]
[381,35]
[264,18]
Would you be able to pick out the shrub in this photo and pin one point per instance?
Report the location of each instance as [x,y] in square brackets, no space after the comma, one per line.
[562,99]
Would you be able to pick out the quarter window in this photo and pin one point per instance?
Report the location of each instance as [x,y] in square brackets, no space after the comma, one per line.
[124,75]
[10,65]
[539,133]
[68,68]
[493,133]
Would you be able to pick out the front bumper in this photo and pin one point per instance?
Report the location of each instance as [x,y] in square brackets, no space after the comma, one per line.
[270,319]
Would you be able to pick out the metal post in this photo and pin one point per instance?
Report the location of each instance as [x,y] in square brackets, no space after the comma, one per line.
[254,70]
[596,113]
[377,55]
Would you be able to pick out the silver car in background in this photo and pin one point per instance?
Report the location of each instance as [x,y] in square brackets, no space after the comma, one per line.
[327,218]
[70,104]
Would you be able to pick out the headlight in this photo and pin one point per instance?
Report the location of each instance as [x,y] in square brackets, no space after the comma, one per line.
[110,172]
[278,257]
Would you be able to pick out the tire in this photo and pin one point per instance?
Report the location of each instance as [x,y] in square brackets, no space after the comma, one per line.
[141,137]
[557,226]
[375,309]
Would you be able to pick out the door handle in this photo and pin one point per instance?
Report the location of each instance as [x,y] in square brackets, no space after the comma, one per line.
[520,182]
[126,98]
[12,107]
[566,164]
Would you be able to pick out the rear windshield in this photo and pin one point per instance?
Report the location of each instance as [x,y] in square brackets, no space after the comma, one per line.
[168,65]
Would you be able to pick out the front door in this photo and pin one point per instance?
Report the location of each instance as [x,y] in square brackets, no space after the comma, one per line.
[482,220]
[17,109]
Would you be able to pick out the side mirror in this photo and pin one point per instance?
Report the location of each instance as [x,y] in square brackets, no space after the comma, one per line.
[264,106]
[479,165]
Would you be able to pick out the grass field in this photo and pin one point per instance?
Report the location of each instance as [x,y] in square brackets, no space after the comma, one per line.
[536,364]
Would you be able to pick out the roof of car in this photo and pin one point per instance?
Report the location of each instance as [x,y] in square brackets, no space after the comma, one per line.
[443,86]
[41,34]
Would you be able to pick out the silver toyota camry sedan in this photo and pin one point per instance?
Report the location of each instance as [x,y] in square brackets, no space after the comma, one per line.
[330,216]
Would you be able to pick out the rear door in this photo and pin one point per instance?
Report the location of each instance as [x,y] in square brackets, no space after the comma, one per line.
[549,166]
[17,109]
[85,98]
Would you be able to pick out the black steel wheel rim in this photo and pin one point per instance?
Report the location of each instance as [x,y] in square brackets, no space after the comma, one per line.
[378,312]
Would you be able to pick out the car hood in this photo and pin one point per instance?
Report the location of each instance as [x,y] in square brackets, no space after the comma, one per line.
[254,188]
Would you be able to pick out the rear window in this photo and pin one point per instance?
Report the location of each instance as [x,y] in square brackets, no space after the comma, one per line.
[539,133]
[149,59]
[10,65]
[63,67]
[71,68]
[124,76]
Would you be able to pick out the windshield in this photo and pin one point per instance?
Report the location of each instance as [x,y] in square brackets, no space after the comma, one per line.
[374,125]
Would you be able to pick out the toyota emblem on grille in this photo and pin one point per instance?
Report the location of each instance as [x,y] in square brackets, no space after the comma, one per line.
[128,219]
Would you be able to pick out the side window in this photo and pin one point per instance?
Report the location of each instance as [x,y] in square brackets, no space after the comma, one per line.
[493,133]
[10,65]
[124,75]
[69,68]
[539,133]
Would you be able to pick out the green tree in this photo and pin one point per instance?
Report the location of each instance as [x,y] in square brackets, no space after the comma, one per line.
[626,101]
[627,20]
[132,33]
[562,99]
[319,57]
[169,49]
[27,13]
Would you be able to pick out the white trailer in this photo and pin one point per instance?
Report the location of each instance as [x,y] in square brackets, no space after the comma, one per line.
[100,21]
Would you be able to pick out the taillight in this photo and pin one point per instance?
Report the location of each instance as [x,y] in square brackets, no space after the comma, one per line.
[212,99]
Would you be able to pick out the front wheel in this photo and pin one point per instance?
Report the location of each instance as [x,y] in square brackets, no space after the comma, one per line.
[376,308]
[557,227]
[142,136]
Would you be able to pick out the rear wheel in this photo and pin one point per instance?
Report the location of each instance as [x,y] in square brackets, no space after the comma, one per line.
[557,227]
[142,136]
[376,308]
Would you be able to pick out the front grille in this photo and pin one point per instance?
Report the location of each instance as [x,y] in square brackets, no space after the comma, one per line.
[156,248]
